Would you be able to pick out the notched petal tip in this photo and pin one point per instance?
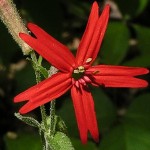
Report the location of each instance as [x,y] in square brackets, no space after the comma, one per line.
[144,84]
[21,35]
[140,71]
[84,141]
[95,5]
[22,111]
[30,24]
[19,98]
[146,71]
[26,108]
[24,36]
[107,6]
[96,139]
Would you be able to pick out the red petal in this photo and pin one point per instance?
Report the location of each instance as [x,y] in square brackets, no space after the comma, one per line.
[80,114]
[120,81]
[98,35]
[90,113]
[88,33]
[44,92]
[51,55]
[52,43]
[108,70]
[90,48]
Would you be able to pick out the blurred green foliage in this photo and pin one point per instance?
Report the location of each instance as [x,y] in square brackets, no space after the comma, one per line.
[123,114]
[23,141]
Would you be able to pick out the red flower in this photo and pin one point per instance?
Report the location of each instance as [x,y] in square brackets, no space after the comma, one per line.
[77,73]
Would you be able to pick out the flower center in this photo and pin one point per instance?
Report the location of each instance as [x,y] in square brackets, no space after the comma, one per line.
[78,72]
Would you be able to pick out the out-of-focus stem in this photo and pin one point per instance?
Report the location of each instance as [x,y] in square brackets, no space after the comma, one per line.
[52,71]
[10,17]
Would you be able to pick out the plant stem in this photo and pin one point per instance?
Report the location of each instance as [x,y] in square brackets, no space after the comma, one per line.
[52,71]
[12,20]
[38,79]
[47,144]
[44,117]
[52,118]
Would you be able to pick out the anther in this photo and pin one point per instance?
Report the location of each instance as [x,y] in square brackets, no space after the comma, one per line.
[88,60]
[78,73]
[81,69]
[96,72]
[75,71]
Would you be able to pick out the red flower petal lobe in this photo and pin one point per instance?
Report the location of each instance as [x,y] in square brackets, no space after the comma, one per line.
[90,114]
[88,34]
[52,43]
[120,81]
[109,70]
[93,35]
[98,35]
[79,112]
[51,55]
[44,92]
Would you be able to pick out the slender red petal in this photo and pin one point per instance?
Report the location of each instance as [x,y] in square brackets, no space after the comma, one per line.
[108,70]
[52,43]
[88,34]
[120,81]
[80,114]
[91,48]
[98,35]
[90,113]
[49,54]
[44,92]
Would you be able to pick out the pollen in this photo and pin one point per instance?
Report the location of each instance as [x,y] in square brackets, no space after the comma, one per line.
[75,71]
[81,69]
[78,72]
[96,72]
[88,60]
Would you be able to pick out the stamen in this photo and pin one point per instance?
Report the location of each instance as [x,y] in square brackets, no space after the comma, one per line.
[96,72]
[88,60]
[78,73]
[81,69]
[75,71]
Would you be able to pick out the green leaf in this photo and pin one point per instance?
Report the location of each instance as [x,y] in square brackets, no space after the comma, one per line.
[142,61]
[60,125]
[61,142]
[116,43]
[24,141]
[131,8]
[28,120]
[143,37]
[43,71]
[37,65]
[126,137]
[134,132]
[139,111]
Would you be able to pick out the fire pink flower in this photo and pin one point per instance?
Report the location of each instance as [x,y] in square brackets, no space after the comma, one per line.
[76,72]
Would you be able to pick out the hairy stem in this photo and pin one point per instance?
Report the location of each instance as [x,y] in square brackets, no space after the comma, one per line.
[52,118]
[12,20]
